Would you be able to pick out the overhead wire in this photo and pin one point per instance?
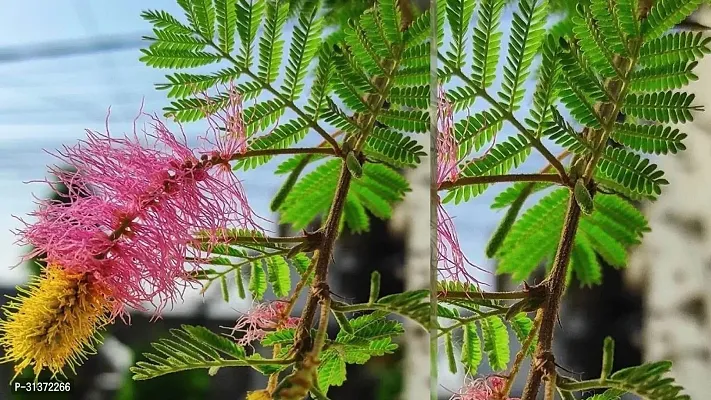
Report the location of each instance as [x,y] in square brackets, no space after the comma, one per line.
[87,20]
[94,45]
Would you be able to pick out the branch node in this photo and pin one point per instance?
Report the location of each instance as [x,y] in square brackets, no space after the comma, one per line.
[545,362]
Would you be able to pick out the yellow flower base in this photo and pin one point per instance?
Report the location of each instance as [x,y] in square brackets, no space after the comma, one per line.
[53,323]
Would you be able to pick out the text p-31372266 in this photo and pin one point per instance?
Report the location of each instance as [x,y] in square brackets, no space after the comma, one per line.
[31,386]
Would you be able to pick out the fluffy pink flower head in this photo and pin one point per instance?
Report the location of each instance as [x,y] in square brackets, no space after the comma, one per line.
[146,195]
[452,263]
[262,318]
[490,388]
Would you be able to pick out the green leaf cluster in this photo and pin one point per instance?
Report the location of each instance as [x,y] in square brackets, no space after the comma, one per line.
[609,61]
[483,331]
[647,381]
[191,347]
[254,264]
[371,336]
[605,234]
[324,83]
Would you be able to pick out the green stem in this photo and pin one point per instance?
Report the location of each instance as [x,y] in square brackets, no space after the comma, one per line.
[566,395]
[277,152]
[592,384]
[229,363]
[476,180]
[349,308]
[318,394]
[521,355]
[274,378]
[551,386]
[523,294]
[299,287]
[321,333]
[261,240]
[463,321]
[264,361]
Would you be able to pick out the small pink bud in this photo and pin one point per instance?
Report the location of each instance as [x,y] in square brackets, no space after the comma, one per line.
[490,388]
[262,318]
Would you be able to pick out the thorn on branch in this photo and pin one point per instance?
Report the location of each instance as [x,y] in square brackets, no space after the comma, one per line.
[322,291]
[314,239]
[536,298]
[545,362]
[312,242]
[565,369]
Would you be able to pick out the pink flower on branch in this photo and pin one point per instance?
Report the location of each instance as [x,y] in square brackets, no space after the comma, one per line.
[490,388]
[227,131]
[145,197]
[264,317]
[447,147]
[452,263]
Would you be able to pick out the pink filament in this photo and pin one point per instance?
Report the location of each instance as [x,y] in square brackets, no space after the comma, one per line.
[135,205]
[234,138]
[261,318]
[447,147]
[490,388]
[452,263]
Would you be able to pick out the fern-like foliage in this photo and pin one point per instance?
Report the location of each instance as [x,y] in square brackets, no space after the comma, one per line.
[610,83]
[609,60]
[655,139]
[677,47]
[646,381]
[272,71]
[613,225]
[370,336]
[191,347]
[475,132]
[415,305]
[249,263]
[482,331]
[379,187]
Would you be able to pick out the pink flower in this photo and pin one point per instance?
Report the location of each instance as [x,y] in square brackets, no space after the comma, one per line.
[148,195]
[452,263]
[447,146]
[490,388]
[264,316]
